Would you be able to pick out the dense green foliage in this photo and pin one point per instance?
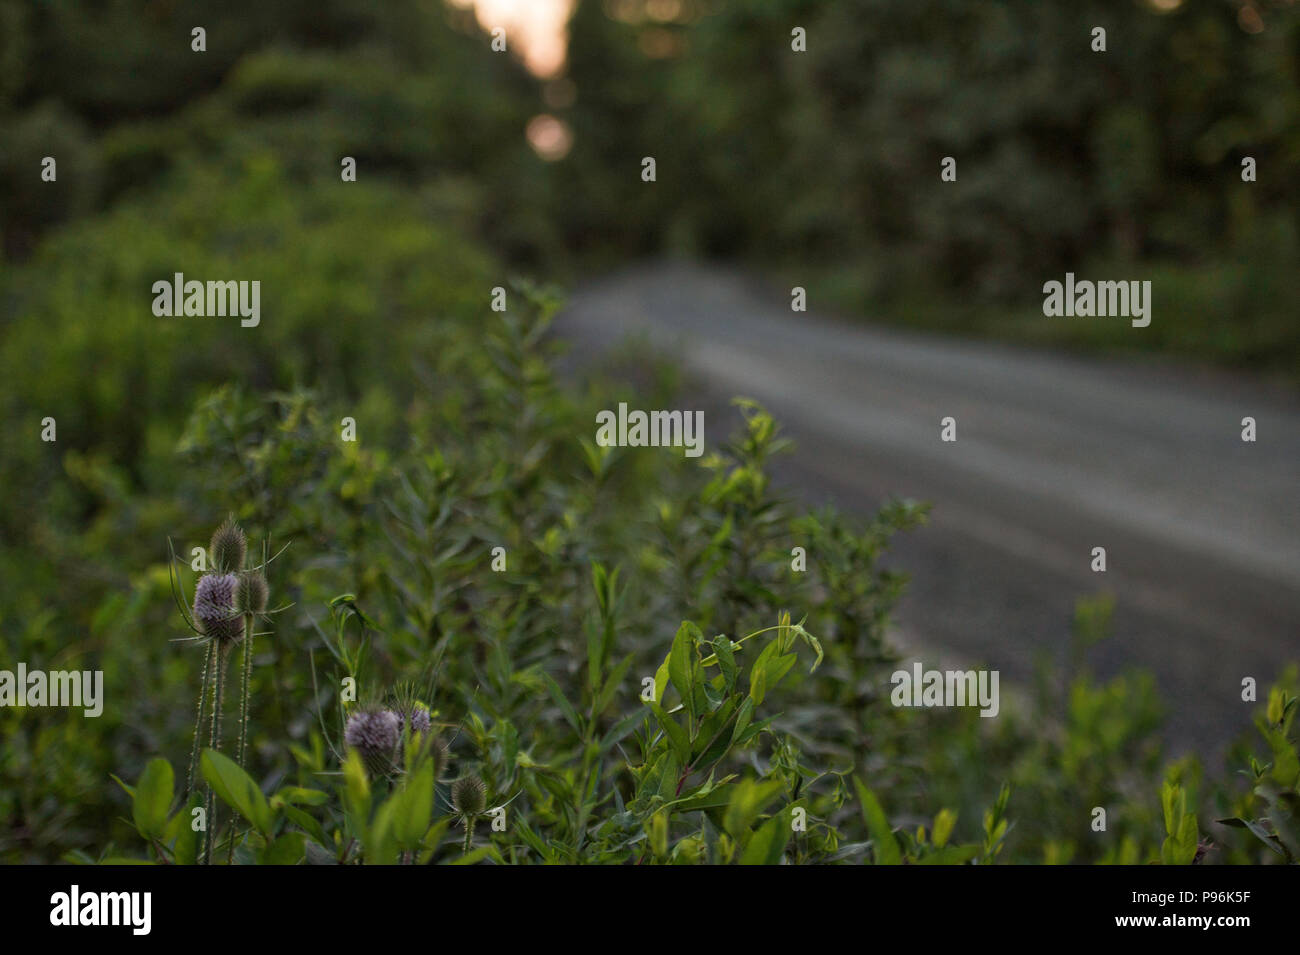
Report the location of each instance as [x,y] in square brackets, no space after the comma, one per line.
[770,685]
[533,674]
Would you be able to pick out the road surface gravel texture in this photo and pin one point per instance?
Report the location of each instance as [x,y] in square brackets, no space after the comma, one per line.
[1055,454]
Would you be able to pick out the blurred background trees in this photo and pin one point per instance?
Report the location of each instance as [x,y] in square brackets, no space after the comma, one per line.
[828,162]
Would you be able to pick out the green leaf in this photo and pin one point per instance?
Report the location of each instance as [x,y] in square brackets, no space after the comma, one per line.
[129,790]
[742,718]
[307,822]
[943,825]
[475,856]
[237,789]
[708,799]
[767,846]
[620,730]
[570,714]
[1180,848]
[1286,761]
[1259,832]
[356,792]
[681,663]
[656,828]
[757,684]
[288,849]
[411,820]
[612,685]
[1172,801]
[380,843]
[882,836]
[677,736]
[815,644]
[153,798]
[661,679]
[726,661]
[777,668]
[184,840]
[298,796]
[747,801]
[950,855]
[595,651]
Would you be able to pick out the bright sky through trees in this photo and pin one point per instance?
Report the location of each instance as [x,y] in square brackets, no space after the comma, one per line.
[538,26]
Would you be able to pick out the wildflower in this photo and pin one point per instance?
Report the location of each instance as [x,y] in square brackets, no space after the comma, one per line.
[374,733]
[418,715]
[215,611]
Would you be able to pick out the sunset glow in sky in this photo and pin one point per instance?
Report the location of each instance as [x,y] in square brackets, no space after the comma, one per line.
[536,26]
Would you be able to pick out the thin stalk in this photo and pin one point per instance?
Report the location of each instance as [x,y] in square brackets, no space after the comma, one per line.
[245,689]
[469,833]
[214,741]
[198,722]
[243,709]
[712,658]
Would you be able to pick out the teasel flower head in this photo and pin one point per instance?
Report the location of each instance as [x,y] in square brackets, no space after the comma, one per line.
[229,547]
[251,592]
[375,734]
[215,611]
[417,714]
[469,796]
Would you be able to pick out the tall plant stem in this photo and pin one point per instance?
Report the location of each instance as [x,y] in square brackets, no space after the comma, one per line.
[243,709]
[214,742]
[245,689]
[198,722]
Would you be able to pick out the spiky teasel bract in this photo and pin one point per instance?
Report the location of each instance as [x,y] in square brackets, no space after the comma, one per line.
[469,796]
[229,547]
[469,799]
[251,592]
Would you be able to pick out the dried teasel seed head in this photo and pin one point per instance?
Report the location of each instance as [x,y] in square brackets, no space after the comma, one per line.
[229,547]
[215,611]
[469,796]
[374,733]
[251,592]
[440,753]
